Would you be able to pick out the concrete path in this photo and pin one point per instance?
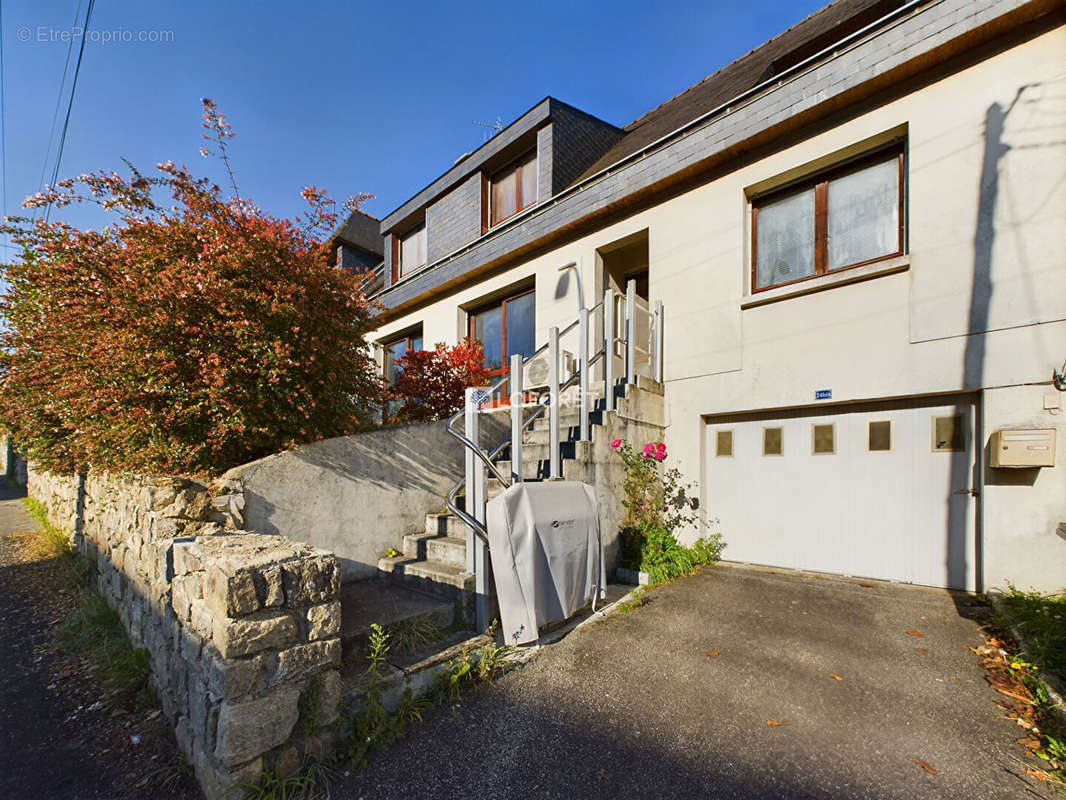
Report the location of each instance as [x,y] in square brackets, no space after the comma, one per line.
[673,700]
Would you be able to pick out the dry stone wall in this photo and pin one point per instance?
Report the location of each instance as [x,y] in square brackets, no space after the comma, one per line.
[242,628]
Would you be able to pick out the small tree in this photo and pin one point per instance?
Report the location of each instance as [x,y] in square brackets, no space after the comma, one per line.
[432,383]
[187,336]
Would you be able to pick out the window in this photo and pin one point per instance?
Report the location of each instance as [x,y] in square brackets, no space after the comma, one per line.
[724,443]
[393,351]
[412,250]
[396,349]
[843,218]
[772,444]
[504,328]
[513,189]
[823,440]
[880,436]
[947,434]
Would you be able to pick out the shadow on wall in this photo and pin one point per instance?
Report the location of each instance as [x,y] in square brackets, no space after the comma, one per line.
[966,473]
[355,496]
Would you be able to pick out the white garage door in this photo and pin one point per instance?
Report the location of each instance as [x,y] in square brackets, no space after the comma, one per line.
[879,490]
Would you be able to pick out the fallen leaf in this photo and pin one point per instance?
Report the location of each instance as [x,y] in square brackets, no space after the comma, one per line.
[920,650]
[602,774]
[1035,773]
[835,677]
[776,723]
[1031,742]
[926,766]
[866,585]
[1014,695]
[711,654]
[913,632]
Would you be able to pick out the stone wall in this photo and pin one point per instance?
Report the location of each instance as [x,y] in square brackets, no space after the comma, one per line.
[242,628]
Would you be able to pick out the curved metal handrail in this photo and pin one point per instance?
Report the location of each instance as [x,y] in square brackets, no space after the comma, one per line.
[451,500]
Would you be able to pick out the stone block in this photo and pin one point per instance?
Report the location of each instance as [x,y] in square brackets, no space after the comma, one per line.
[230,591]
[222,783]
[302,661]
[329,698]
[271,588]
[201,619]
[322,621]
[263,631]
[249,729]
[232,678]
[310,581]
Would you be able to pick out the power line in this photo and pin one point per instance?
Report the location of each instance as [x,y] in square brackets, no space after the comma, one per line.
[3,123]
[59,102]
[70,103]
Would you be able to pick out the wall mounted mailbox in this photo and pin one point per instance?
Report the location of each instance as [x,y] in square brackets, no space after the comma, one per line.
[1032,447]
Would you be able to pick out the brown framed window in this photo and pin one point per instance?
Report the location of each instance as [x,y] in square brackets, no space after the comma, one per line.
[845,217]
[512,189]
[948,434]
[505,327]
[396,349]
[410,253]
[724,444]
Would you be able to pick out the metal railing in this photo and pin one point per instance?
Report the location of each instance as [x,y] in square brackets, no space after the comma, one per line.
[630,330]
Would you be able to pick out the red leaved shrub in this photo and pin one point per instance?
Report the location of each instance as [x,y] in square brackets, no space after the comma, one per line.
[432,382]
[188,336]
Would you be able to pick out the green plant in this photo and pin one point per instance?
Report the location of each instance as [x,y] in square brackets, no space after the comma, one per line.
[1040,620]
[392,552]
[635,600]
[96,630]
[168,776]
[50,542]
[313,781]
[411,635]
[307,723]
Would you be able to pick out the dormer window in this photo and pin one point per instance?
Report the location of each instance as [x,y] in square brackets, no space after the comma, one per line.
[412,250]
[513,189]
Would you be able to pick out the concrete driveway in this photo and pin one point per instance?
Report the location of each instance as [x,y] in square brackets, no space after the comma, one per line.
[635,705]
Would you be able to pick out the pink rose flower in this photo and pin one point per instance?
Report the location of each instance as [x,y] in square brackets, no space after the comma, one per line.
[615,444]
[660,447]
[649,448]
[659,456]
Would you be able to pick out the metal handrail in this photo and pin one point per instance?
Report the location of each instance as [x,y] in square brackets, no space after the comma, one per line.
[453,494]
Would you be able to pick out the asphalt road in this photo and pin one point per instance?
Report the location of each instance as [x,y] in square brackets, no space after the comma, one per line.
[638,705]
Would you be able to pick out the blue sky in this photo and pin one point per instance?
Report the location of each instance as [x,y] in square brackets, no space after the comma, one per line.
[350,96]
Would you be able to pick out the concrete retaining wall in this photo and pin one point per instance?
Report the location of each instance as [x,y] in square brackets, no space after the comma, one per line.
[241,628]
[355,496]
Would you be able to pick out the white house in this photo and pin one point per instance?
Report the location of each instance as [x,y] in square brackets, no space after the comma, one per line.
[857,234]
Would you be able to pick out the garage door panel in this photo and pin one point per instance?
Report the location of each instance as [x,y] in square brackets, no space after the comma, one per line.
[902,514]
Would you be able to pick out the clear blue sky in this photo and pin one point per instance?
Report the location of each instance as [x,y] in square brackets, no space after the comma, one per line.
[351,96]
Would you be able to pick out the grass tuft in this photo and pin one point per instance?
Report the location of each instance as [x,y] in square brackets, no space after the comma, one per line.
[95,629]
[1040,620]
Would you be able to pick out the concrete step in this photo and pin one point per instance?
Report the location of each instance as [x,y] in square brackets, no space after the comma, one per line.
[437,578]
[446,524]
[447,550]
[364,603]
[450,549]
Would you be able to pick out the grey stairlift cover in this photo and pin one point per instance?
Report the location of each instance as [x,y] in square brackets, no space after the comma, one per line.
[547,554]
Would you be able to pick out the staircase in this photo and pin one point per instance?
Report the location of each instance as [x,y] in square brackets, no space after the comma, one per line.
[433,560]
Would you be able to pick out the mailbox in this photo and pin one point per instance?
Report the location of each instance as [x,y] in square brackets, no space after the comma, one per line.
[1032,447]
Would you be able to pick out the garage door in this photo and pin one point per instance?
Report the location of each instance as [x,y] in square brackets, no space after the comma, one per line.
[879,490]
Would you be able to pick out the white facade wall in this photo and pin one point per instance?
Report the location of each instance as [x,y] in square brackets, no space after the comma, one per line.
[986,151]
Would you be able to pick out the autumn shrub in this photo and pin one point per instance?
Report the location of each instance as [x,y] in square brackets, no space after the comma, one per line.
[432,383]
[193,333]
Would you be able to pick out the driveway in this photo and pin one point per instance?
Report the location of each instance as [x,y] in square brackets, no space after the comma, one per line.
[639,705]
